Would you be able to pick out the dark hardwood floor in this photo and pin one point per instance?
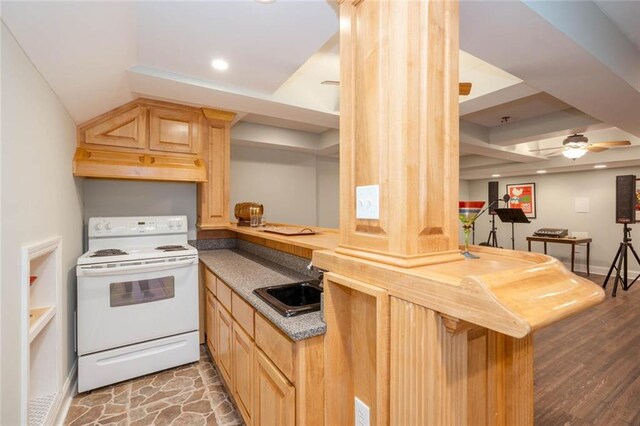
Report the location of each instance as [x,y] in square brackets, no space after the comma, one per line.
[587,367]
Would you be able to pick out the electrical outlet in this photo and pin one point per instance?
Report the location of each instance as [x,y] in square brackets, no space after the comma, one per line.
[362,413]
[368,202]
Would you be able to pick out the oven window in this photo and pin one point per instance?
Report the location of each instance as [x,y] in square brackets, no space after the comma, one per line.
[143,291]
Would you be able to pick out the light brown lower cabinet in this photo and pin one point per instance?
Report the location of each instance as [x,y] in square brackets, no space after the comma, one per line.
[225,343]
[243,372]
[212,341]
[275,397]
[272,379]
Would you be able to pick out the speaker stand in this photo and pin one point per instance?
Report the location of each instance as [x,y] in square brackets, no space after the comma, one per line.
[492,240]
[620,264]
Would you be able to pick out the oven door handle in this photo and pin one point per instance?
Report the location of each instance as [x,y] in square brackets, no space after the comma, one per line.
[132,269]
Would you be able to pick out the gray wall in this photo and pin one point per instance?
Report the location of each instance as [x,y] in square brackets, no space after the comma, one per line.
[294,187]
[328,192]
[105,197]
[556,195]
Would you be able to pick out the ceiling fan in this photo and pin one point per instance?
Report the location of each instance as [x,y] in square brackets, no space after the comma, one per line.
[576,145]
[463,88]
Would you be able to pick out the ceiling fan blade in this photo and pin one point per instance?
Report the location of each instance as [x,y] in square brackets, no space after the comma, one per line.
[464,88]
[594,148]
[545,149]
[612,143]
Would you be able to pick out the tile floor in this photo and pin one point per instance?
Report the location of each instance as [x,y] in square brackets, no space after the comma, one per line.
[192,394]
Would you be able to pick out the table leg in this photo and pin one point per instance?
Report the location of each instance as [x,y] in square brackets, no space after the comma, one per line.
[529,245]
[573,255]
[588,246]
[545,247]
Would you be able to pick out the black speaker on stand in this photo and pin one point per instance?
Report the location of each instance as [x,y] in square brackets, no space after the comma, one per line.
[625,214]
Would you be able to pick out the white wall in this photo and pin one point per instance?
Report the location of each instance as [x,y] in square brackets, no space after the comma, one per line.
[556,194]
[110,197]
[288,184]
[40,199]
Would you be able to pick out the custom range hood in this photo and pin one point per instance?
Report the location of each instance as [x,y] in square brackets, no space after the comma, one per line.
[147,140]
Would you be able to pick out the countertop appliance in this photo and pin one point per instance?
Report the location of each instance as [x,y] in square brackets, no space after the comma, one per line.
[551,232]
[242,212]
[137,299]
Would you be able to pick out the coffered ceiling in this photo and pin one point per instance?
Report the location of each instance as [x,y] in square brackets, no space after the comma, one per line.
[553,68]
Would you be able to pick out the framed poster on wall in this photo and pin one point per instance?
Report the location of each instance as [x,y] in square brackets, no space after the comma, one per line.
[637,200]
[523,196]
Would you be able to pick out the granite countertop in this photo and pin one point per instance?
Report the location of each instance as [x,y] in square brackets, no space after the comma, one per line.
[244,272]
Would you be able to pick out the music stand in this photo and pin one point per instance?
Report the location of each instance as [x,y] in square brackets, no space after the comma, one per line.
[512,216]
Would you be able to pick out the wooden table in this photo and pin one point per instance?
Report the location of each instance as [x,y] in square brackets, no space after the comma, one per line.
[572,241]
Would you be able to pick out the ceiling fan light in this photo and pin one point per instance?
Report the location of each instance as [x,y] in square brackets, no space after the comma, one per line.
[574,153]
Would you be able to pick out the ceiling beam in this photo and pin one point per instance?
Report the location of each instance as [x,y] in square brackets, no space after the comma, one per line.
[264,136]
[154,83]
[499,97]
[545,126]
[474,140]
[543,52]
[619,157]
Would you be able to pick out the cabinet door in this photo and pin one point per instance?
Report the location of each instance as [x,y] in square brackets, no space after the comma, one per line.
[243,372]
[174,130]
[274,396]
[125,130]
[224,325]
[212,343]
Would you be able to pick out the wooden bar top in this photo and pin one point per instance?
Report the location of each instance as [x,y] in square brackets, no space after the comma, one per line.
[507,291]
[323,239]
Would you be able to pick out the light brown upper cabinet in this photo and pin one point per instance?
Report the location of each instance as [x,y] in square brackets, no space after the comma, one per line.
[127,129]
[153,140]
[174,130]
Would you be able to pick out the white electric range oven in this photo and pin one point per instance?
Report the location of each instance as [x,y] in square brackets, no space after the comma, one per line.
[137,299]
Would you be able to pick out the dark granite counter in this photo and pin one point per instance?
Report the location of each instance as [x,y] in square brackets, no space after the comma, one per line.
[245,272]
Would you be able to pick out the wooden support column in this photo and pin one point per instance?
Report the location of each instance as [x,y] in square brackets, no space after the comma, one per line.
[399,129]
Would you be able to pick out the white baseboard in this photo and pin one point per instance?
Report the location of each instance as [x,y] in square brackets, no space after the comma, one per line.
[68,392]
[596,270]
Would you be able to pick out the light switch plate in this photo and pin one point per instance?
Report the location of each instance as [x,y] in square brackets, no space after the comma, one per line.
[362,414]
[368,202]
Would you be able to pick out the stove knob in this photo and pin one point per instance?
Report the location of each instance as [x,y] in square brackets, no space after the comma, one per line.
[98,226]
[108,226]
[170,224]
[179,224]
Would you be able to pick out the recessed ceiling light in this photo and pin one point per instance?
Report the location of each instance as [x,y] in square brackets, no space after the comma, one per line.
[600,166]
[265,1]
[220,64]
[541,172]
[495,175]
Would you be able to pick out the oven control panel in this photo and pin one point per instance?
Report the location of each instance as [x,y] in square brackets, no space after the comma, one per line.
[149,225]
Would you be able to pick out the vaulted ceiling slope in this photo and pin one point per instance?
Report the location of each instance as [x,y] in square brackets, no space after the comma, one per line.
[551,67]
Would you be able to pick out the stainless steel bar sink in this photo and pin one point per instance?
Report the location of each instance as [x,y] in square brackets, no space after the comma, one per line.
[292,299]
